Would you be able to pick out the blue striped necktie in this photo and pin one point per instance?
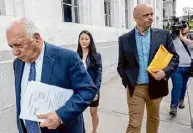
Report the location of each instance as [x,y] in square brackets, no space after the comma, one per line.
[32,126]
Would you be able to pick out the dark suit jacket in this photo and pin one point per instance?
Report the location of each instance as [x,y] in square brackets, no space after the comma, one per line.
[128,63]
[96,75]
[62,68]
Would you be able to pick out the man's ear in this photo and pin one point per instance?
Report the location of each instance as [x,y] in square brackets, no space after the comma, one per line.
[37,36]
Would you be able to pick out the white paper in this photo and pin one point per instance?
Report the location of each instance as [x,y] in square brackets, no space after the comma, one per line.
[41,98]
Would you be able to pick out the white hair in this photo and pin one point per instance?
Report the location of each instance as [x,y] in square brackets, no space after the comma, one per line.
[29,26]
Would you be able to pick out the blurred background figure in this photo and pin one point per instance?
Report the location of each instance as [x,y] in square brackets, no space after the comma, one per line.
[180,78]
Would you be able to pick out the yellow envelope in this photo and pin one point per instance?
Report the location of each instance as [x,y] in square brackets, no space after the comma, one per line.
[161,60]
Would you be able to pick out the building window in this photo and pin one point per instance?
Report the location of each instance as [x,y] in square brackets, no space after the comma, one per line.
[107,7]
[126,14]
[70,11]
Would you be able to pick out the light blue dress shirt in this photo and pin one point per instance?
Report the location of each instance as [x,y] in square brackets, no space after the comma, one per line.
[143,48]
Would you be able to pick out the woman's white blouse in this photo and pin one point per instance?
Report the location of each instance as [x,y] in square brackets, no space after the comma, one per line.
[84,62]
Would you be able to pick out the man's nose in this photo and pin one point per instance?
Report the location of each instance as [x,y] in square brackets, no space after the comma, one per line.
[150,17]
[16,51]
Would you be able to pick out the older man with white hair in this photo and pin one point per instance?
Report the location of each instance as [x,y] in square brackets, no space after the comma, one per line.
[39,61]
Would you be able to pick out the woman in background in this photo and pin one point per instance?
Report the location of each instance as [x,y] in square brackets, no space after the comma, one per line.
[93,64]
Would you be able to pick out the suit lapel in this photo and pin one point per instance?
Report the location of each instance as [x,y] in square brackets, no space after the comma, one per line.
[48,63]
[152,44]
[132,41]
[47,66]
[88,62]
[18,77]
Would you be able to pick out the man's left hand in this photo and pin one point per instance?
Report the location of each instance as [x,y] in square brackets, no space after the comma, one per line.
[52,121]
[158,74]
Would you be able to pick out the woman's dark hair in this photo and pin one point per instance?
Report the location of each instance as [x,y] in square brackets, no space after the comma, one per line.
[92,49]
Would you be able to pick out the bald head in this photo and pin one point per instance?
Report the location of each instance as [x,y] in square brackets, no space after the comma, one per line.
[143,15]
[140,8]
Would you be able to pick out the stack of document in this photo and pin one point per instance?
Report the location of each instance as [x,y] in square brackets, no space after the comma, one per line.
[41,98]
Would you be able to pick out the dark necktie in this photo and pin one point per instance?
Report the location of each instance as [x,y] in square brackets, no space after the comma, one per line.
[32,126]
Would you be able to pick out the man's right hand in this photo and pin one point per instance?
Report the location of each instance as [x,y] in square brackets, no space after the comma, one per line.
[186,40]
[51,120]
[159,74]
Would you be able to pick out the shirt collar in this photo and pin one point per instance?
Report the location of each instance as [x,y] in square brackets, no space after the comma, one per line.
[41,54]
[138,33]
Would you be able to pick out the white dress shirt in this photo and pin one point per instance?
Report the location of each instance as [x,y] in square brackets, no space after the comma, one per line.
[84,62]
[26,70]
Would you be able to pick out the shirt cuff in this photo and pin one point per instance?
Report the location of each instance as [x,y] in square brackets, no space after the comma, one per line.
[61,122]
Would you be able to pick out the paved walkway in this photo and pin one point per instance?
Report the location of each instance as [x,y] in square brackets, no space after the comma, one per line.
[114,115]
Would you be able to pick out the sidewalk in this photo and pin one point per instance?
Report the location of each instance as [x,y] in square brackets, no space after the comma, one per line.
[113,112]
